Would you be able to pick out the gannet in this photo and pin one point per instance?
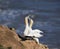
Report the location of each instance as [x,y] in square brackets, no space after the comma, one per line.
[30,32]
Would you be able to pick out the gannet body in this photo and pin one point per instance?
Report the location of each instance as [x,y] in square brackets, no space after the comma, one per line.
[27,28]
[35,33]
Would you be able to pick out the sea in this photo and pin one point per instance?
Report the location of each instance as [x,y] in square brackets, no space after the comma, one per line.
[45,13]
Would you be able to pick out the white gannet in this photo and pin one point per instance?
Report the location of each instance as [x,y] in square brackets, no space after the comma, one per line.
[30,32]
[26,31]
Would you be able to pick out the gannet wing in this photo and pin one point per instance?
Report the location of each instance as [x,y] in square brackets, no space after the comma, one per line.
[37,35]
[38,31]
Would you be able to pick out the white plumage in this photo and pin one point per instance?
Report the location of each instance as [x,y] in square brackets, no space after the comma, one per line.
[35,33]
[30,32]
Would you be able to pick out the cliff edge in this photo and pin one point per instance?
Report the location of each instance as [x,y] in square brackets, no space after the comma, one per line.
[10,40]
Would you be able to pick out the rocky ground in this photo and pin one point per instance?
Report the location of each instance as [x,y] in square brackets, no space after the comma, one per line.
[10,40]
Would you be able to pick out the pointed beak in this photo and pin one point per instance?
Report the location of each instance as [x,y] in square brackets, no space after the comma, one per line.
[41,32]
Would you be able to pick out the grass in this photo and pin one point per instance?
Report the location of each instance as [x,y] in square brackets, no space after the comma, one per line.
[2,47]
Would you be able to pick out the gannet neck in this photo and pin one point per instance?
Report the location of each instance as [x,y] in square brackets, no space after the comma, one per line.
[26,21]
[31,23]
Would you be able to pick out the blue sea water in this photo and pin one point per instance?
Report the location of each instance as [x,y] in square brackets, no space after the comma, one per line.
[46,18]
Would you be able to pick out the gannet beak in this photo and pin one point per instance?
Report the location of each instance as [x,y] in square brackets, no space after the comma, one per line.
[27,16]
[42,32]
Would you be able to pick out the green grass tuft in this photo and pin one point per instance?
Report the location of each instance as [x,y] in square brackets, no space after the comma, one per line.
[2,47]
